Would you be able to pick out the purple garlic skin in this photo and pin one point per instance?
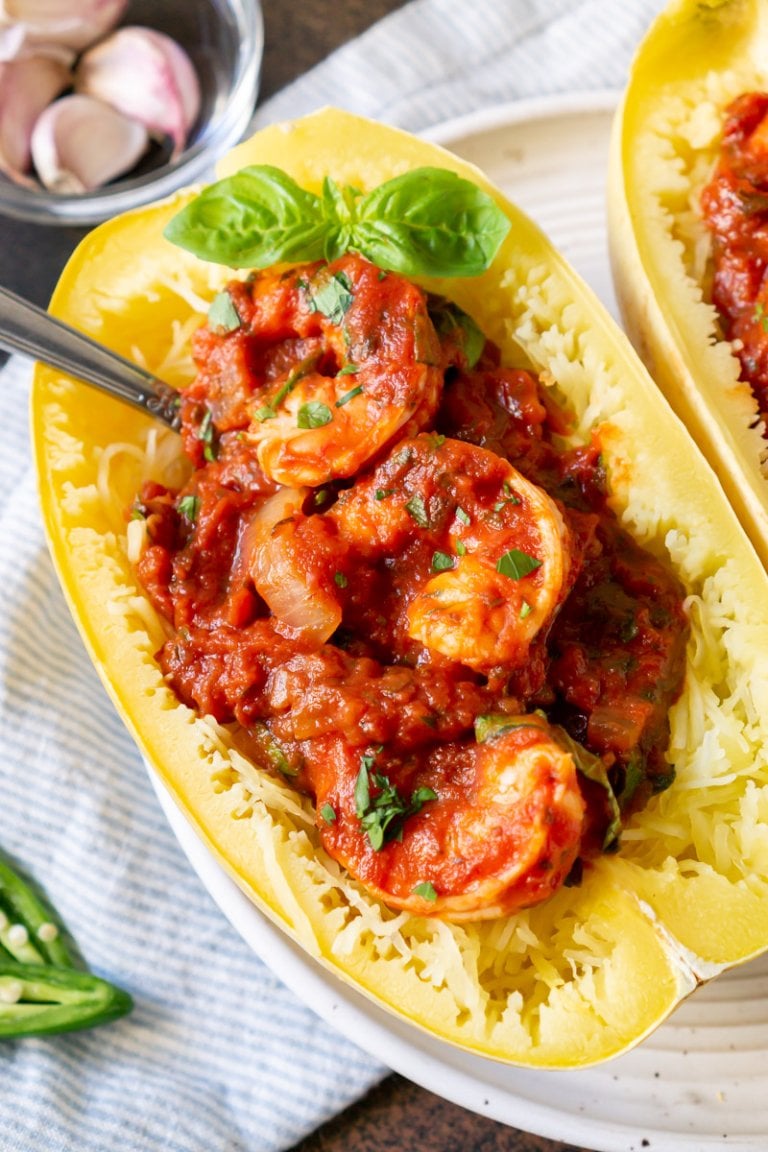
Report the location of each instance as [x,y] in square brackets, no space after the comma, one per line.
[146,76]
[73,24]
[79,143]
[28,84]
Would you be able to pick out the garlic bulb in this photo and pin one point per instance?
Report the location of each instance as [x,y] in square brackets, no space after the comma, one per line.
[79,143]
[27,86]
[147,76]
[71,23]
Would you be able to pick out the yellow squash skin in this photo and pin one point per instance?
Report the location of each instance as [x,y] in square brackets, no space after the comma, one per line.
[591,972]
[694,60]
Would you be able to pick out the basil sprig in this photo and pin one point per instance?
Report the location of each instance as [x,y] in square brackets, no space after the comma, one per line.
[426,222]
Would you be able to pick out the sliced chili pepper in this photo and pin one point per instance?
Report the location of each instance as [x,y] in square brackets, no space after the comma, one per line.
[41,990]
[36,999]
[27,931]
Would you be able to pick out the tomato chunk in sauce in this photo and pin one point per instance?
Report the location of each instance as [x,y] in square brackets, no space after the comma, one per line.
[419,642]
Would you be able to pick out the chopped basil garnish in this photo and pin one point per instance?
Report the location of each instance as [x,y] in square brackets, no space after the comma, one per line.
[426,891]
[313,414]
[517,564]
[302,369]
[461,548]
[462,516]
[340,580]
[189,506]
[442,562]
[332,298]
[450,320]
[417,509]
[382,493]
[222,314]
[345,399]
[328,814]
[382,815]
[207,434]
[348,370]
[493,725]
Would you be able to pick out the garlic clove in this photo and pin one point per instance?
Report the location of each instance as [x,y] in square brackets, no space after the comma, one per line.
[146,75]
[72,23]
[79,143]
[27,86]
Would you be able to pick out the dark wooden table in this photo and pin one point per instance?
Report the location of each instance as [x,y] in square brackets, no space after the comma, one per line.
[397,1116]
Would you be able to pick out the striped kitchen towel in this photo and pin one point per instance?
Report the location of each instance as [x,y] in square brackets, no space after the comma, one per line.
[218,1054]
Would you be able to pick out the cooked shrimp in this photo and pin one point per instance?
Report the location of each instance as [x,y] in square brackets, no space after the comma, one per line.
[359,364]
[296,596]
[468,831]
[472,559]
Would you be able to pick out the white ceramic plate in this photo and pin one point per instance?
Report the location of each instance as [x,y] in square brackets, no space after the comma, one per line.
[701,1081]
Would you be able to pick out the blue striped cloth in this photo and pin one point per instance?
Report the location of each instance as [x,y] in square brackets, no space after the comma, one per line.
[217,1054]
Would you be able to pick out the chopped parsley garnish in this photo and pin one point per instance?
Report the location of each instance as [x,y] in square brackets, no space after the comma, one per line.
[189,507]
[313,414]
[426,891]
[417,509]
[383,814]
[517,564]
[222,314]
[345,399]
[333,298]
[442,562]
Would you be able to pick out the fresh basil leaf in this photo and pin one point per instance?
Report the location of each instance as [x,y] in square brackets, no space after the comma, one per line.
[517,564]
[313,414]
[254,219]
[429,222]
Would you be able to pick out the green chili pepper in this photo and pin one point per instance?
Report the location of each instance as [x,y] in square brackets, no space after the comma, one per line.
[36,999]
[21,908]
[41,990]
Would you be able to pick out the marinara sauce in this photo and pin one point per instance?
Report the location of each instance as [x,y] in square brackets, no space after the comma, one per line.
[734,205]
[605,669]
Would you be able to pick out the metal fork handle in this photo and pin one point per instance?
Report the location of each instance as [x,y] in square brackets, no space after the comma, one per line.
[26,328]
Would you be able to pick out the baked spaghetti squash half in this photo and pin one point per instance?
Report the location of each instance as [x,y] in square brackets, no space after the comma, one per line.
[589,972]
[695,62]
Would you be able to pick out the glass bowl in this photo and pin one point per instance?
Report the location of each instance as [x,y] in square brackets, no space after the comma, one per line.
[225,41]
